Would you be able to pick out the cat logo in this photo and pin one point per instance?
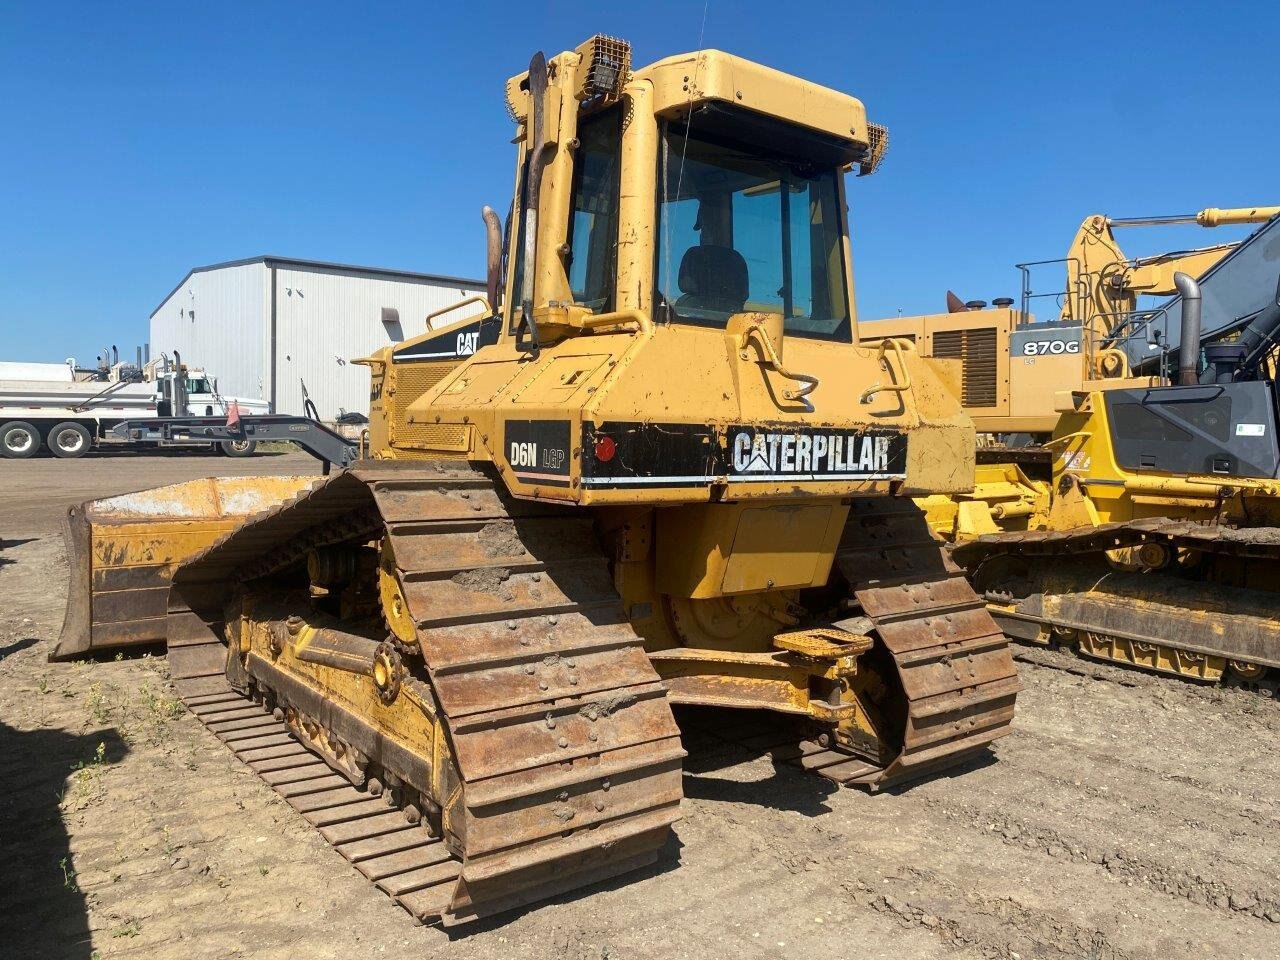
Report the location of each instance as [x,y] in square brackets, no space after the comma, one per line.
[468,342]
[816,454]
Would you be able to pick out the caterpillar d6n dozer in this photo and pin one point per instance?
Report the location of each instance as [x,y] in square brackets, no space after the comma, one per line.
[655,470]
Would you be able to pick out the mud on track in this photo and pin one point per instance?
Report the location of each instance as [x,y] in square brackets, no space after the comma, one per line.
[1127,816]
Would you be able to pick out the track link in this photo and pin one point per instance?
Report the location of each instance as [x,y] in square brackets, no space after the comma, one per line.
[407,864]
[1192,627]
[952,664]
[569,757]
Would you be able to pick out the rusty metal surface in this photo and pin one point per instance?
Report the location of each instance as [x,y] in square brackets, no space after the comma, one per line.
[569,754]
[1066,582]
[951,659]
[569,757]
[122,550]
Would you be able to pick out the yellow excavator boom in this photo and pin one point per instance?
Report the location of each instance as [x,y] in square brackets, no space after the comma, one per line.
[1103,283]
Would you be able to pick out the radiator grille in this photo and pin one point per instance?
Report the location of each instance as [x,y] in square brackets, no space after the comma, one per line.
[976,351]
[435,436]
[412,380]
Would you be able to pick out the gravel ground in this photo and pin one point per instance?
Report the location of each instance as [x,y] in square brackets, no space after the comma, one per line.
[1128,816]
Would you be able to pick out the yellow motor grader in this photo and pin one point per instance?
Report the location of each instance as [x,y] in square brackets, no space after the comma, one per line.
[656,470]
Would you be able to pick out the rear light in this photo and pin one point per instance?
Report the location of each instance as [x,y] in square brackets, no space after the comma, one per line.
[605,449]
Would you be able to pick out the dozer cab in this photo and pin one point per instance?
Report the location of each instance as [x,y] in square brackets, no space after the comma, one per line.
[656,470]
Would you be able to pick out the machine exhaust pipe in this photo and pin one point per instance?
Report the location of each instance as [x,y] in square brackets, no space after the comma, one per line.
[493,255]
[1189,345]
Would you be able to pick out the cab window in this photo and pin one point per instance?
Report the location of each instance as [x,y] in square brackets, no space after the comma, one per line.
[593,223]
[739,232]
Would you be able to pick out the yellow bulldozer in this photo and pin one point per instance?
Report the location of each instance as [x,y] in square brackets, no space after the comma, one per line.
[1159,547]
[1156,543]
[657,470]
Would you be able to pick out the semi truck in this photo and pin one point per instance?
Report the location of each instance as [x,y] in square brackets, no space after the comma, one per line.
[68,410]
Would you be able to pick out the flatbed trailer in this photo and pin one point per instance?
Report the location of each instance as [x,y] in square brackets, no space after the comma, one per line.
[69,436]
[327,446]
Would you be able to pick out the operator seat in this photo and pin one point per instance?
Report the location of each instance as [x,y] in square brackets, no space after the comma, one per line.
[712,278]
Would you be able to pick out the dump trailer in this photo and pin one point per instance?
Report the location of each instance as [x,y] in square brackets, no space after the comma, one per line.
[658,471]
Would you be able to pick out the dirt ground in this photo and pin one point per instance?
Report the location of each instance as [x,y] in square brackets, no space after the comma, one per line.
[1127,817]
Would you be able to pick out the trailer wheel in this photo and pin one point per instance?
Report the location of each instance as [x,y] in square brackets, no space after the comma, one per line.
[238,448]
[18,440]
[69,440]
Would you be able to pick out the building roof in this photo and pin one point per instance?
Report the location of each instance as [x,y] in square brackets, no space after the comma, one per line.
[271,260]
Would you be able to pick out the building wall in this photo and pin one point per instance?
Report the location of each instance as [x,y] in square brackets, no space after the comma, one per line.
[215,320]
[221,319]
[325,318]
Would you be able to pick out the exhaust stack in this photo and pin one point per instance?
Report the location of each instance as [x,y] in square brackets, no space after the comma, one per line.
[493,256]
[1189,345]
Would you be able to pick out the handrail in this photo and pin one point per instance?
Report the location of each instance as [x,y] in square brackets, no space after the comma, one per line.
[807,383]
[903,387]
[642,320]
[477,298]
[1069,436]
[1028,294]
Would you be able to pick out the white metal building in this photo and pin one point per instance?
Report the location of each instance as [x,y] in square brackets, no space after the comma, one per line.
[266,326]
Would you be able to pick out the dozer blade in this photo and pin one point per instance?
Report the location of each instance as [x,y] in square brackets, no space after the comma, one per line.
[121,553]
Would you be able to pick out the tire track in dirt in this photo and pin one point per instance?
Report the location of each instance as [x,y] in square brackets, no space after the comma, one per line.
[997,927]
[1196,838]
[1063,765]
[961,917]
[1050,773]
[1231,897]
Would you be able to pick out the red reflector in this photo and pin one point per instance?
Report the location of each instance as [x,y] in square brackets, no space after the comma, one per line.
[605,449]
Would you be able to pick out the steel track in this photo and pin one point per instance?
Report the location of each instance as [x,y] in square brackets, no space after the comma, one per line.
[1245,629]
[568,753]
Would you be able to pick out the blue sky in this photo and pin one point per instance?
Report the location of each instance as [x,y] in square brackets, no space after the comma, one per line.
[143,139]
